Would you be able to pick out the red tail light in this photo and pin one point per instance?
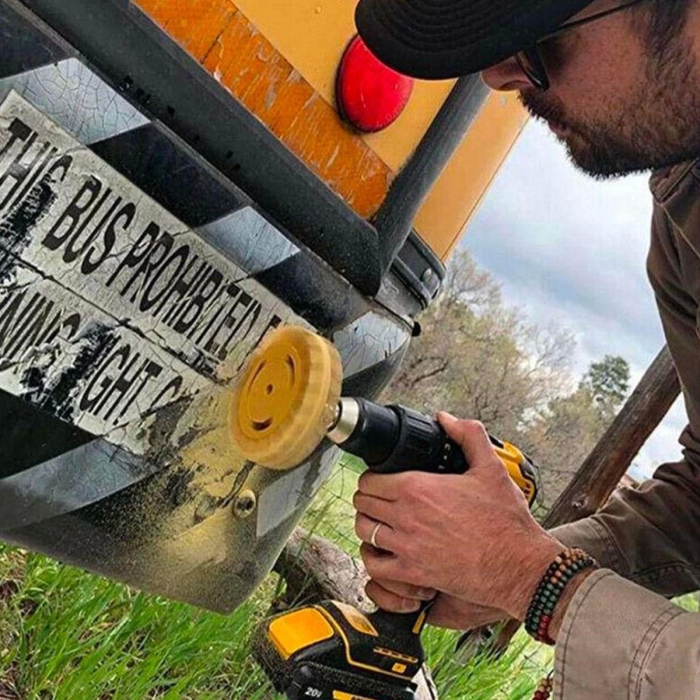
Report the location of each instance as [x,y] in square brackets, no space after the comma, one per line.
[370,95]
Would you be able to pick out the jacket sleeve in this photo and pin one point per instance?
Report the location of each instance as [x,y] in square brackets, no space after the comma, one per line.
[651,535]
[619,641]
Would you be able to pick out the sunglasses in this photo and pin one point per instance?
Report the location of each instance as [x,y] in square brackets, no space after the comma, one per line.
[530,59]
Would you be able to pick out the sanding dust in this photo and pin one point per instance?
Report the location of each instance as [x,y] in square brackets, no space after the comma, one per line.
[206,543]
[201,551]
[203,530]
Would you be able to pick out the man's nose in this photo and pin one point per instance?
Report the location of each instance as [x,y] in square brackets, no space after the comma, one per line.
[506,76]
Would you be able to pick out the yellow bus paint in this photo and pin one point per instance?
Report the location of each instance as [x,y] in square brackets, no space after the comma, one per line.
[312,35]
[194,24]
[242,59]
[280,60]
[456,195]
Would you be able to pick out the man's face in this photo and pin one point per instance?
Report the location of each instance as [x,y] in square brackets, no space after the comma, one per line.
[618,105]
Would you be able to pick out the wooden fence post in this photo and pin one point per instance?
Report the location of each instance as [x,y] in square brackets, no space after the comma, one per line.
[611,457]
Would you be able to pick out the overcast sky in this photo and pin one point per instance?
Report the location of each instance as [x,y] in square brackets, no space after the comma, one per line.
[571,251]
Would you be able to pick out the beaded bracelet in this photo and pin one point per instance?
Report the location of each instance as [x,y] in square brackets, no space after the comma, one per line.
[550,589]
[544,689]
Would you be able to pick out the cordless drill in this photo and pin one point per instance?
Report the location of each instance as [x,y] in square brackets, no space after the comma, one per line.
[332,651]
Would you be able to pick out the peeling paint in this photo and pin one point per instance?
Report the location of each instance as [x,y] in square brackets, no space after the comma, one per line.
[111,309]
[57,394]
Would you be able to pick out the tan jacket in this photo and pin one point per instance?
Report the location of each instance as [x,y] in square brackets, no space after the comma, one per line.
[621,638]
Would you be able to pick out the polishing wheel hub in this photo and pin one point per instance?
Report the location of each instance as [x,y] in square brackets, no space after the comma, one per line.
[286,398]
[275,388]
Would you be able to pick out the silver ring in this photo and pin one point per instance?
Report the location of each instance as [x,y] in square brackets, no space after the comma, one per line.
[373,536]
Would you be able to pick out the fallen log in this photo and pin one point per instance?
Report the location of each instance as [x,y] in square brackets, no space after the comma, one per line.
[315,569]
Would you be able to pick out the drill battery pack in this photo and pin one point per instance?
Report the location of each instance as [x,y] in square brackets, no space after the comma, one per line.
[332,651]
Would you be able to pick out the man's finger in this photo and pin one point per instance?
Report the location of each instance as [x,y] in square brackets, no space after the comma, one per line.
[375,532]
[380,485]
[451,613]
[406,590]
[372,507]
[388,600]
[380,564]
[472,437]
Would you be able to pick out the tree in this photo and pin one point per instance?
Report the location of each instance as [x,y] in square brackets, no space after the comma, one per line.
[562,436]
[608,383]
[478,358]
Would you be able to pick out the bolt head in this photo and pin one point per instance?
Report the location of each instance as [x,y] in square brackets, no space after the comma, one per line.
[245,503]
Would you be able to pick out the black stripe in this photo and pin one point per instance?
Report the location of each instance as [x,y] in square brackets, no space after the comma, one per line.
[153,71]
[175,177]
[23,46]
[370,382]
[31,436]
[322,298]
[86,475]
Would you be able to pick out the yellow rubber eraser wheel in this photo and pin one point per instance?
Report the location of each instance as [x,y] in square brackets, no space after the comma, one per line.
[286,398]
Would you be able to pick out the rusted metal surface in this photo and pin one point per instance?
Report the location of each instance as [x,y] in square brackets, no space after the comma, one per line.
[242,59]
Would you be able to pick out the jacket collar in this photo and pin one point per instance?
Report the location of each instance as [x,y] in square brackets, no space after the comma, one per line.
[666,181]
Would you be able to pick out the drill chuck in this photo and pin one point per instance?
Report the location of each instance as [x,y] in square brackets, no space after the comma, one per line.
[392,439]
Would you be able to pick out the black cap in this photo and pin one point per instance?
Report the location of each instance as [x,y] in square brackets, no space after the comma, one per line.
[438,39]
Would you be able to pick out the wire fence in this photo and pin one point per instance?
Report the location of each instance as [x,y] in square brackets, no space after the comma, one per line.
[332,515]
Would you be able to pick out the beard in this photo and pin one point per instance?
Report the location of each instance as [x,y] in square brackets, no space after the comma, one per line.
[654,127]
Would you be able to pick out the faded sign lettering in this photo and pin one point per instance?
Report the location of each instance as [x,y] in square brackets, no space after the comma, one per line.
[110,308]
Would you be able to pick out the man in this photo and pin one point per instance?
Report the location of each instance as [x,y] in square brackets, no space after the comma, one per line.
[619,84]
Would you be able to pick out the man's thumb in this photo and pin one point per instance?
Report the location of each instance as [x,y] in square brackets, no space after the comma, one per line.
[470,435]
[449,423]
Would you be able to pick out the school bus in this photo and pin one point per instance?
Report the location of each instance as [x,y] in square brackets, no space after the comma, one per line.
[177,177]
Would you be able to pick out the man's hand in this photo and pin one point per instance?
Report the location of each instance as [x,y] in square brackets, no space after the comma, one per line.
[469,536]
[447,611]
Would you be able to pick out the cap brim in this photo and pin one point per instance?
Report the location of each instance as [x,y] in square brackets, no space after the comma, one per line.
[438,39]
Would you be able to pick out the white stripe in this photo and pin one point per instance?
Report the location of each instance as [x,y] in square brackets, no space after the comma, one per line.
[249,240]
[367,341]
[76,99]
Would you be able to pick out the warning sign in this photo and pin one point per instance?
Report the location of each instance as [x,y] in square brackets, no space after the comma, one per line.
[110,308]
[63,354]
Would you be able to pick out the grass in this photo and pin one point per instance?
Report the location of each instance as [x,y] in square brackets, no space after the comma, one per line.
[66,634]
[331,514]
[690,602]
[512,677]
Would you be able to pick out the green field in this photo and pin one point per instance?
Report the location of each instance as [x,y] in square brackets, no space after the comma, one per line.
[68,635]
